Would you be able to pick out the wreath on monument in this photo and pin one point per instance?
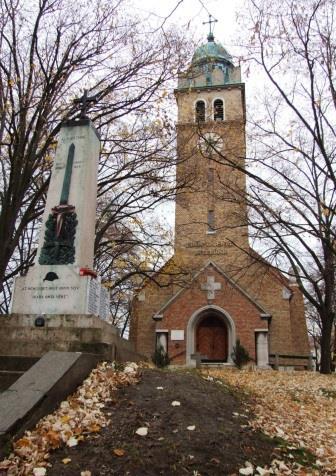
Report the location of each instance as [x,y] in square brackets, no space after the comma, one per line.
[58,247]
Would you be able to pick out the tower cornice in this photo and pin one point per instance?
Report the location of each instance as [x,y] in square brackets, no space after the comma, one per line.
[210,125]
[218,87]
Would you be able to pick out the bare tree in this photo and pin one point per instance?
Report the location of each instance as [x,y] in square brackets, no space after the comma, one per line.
[50,51]
[292,146]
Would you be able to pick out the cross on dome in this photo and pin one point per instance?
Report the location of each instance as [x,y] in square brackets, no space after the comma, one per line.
[211,22]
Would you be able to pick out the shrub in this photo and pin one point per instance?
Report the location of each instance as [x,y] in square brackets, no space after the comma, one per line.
[240,355]
[160,357]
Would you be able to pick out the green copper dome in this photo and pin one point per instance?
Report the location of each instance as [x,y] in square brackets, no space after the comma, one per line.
[211,66]
[211,52]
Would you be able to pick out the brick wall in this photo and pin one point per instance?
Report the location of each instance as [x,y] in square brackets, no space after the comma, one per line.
[244,314]
[287,330]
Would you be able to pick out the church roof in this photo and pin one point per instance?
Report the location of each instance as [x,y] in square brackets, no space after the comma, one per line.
[211,52]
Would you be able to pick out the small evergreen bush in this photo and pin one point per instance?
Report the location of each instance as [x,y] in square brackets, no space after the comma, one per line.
[240,355]
[160,357]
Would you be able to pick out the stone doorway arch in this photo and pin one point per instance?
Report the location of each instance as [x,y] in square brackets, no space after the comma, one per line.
[207,320]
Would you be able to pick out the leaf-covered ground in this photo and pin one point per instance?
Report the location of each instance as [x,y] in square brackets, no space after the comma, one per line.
[171,423]
[149,422]
[298,409]
[80,416]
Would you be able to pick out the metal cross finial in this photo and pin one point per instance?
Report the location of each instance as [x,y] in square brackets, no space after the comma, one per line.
[85,101]
[212,20]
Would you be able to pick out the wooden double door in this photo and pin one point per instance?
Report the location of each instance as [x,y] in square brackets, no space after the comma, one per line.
[212,338]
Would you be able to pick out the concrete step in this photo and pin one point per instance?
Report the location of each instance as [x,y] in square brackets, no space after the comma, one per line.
[7,378]
[39,390]
[12,367]
[16,363]
[216,365]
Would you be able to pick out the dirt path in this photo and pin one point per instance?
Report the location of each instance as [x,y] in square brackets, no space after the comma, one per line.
[219,445]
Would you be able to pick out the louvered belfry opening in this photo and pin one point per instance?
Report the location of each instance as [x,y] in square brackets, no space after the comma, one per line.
[218,110]
[200,111]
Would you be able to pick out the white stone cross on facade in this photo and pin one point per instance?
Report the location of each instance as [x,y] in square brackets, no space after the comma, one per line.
[211,286]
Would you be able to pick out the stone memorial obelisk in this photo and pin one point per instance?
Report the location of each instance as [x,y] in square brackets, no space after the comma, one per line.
[62,280]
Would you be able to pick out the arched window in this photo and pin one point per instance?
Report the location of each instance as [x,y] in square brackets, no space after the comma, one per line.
[200,111]
[218,110]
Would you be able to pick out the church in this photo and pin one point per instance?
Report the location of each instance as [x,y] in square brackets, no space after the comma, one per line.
[216,289]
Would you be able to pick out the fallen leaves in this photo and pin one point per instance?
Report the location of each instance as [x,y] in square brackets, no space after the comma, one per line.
[175,403]
[142,431]
[119,452]
[262,471]
[54,438]
[296,407]
[80,415]
[39,471]
[65,418]
[246,471]
[72,442]
[131,368]
[94,428]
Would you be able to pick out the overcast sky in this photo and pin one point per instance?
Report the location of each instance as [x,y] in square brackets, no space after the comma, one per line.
[192,13]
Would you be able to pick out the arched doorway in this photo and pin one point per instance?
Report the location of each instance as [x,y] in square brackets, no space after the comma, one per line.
[212,338]
[193,326]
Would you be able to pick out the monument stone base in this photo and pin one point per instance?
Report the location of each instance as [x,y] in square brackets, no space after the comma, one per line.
[20,336]
[59,289]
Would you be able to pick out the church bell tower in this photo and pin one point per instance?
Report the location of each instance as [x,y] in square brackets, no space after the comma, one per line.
[210,220]
[216,289]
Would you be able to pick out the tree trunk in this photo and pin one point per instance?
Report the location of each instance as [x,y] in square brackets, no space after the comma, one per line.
[327,322]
